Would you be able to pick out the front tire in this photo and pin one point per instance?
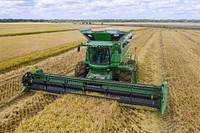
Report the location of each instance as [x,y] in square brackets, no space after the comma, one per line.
[125,76]
[80,70]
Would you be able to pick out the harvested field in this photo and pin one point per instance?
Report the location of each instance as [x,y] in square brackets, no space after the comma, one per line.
[171,54]
[72,114]
[182,68]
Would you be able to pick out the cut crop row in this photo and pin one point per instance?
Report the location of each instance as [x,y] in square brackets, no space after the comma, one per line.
[24,110]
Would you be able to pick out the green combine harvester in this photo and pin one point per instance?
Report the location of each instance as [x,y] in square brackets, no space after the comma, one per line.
[108,69]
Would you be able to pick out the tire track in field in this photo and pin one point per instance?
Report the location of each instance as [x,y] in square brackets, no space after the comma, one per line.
[182,108]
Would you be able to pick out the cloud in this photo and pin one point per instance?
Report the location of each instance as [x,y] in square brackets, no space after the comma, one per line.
[100,9]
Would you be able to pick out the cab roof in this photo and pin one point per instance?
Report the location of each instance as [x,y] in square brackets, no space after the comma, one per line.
[106,35]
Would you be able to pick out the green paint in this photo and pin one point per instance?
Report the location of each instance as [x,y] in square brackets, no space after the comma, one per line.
[164,99]
[38,71]
[101,36]
[24,89]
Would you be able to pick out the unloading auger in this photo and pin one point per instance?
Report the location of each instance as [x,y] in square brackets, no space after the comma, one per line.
[108,69]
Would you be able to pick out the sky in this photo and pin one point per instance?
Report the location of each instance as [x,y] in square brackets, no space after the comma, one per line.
[100,9]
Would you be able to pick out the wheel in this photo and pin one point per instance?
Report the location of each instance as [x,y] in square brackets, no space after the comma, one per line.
[80,70]
[125,76]
[131,63]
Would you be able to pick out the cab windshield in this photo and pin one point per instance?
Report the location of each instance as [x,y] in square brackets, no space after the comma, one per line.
[99,55]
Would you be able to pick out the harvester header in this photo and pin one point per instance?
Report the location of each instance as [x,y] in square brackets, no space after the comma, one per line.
[108,69]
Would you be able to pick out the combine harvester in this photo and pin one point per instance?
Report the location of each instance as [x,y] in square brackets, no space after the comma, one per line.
[108,69]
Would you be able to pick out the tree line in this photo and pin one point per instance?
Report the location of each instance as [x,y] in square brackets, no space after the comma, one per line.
[100,20]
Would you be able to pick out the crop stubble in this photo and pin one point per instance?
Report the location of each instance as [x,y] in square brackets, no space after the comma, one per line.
[23,109]
[184,78]
[71,114]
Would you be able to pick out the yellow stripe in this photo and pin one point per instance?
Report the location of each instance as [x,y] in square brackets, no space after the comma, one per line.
[83,88]
[151,97]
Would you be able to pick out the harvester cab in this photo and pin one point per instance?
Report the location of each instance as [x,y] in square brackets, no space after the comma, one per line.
[108,69]
[107,56]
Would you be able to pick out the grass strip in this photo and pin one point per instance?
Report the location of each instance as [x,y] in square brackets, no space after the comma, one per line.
[24,60]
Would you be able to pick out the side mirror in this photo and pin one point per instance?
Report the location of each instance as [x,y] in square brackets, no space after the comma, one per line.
[78,48]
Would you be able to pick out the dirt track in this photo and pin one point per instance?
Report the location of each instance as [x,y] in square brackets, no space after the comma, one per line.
[163,53]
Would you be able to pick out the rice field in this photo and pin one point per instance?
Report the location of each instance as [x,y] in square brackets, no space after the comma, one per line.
[171,54]
[21,45]
[17,28]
